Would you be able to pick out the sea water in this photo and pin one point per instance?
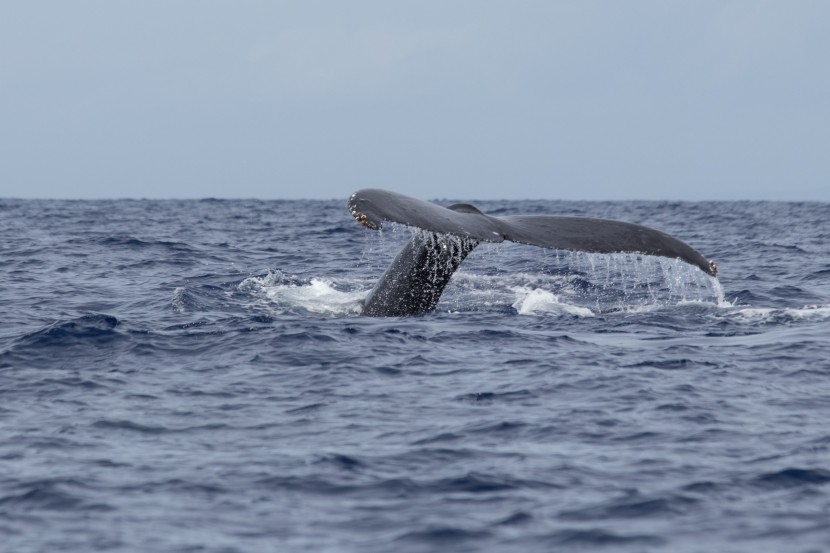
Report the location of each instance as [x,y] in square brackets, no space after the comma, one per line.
[196,376]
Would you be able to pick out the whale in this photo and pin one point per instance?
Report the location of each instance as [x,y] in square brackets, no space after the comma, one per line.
[416,278]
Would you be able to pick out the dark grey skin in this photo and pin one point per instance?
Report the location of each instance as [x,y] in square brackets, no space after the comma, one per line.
[414,282]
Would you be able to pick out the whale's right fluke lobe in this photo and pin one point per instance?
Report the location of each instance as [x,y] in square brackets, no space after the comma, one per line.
[371,207]
[600,236]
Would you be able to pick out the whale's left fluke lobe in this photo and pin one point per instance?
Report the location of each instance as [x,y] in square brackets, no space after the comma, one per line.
[415,280]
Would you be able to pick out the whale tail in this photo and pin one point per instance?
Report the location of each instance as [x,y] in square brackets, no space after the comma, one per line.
[414,281]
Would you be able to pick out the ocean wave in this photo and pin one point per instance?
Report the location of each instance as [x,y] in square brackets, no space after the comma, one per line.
[523,294]
[635,507]
[89,330]
[468,484]
[794,477]
[50,494]
[132,242]
[288,294]
[209,403]
[600,538]
[143,428]
[784,315]
[443,536]
[537,301]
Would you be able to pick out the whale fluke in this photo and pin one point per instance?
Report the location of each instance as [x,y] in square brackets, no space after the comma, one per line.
[413,283]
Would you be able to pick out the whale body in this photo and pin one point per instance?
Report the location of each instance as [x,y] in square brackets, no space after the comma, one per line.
[413,283]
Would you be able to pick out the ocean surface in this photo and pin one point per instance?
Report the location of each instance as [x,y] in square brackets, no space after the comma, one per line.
[195,376]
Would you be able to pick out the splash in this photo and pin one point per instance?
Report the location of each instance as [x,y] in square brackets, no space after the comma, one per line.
[318,296]
[178,302]
[185,300]
[599,283]
[288,294]
[720,294]
[537,301]
[634,280]
[503,277]
[766,315]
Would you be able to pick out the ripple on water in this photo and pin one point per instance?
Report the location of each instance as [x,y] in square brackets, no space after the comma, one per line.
[196,376]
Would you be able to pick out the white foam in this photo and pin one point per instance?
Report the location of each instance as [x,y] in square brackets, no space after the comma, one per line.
[532,301]
[765,314]
[755,312]
[319,296]
[812,312]
[178,302]
[615,283]
[315,296]
[720,294]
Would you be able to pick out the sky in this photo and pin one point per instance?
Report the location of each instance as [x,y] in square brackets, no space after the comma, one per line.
[575,100]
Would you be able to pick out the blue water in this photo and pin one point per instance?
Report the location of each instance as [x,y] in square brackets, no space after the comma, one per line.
[196,376]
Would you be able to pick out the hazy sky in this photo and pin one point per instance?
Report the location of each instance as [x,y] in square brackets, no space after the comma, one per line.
[573,99]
